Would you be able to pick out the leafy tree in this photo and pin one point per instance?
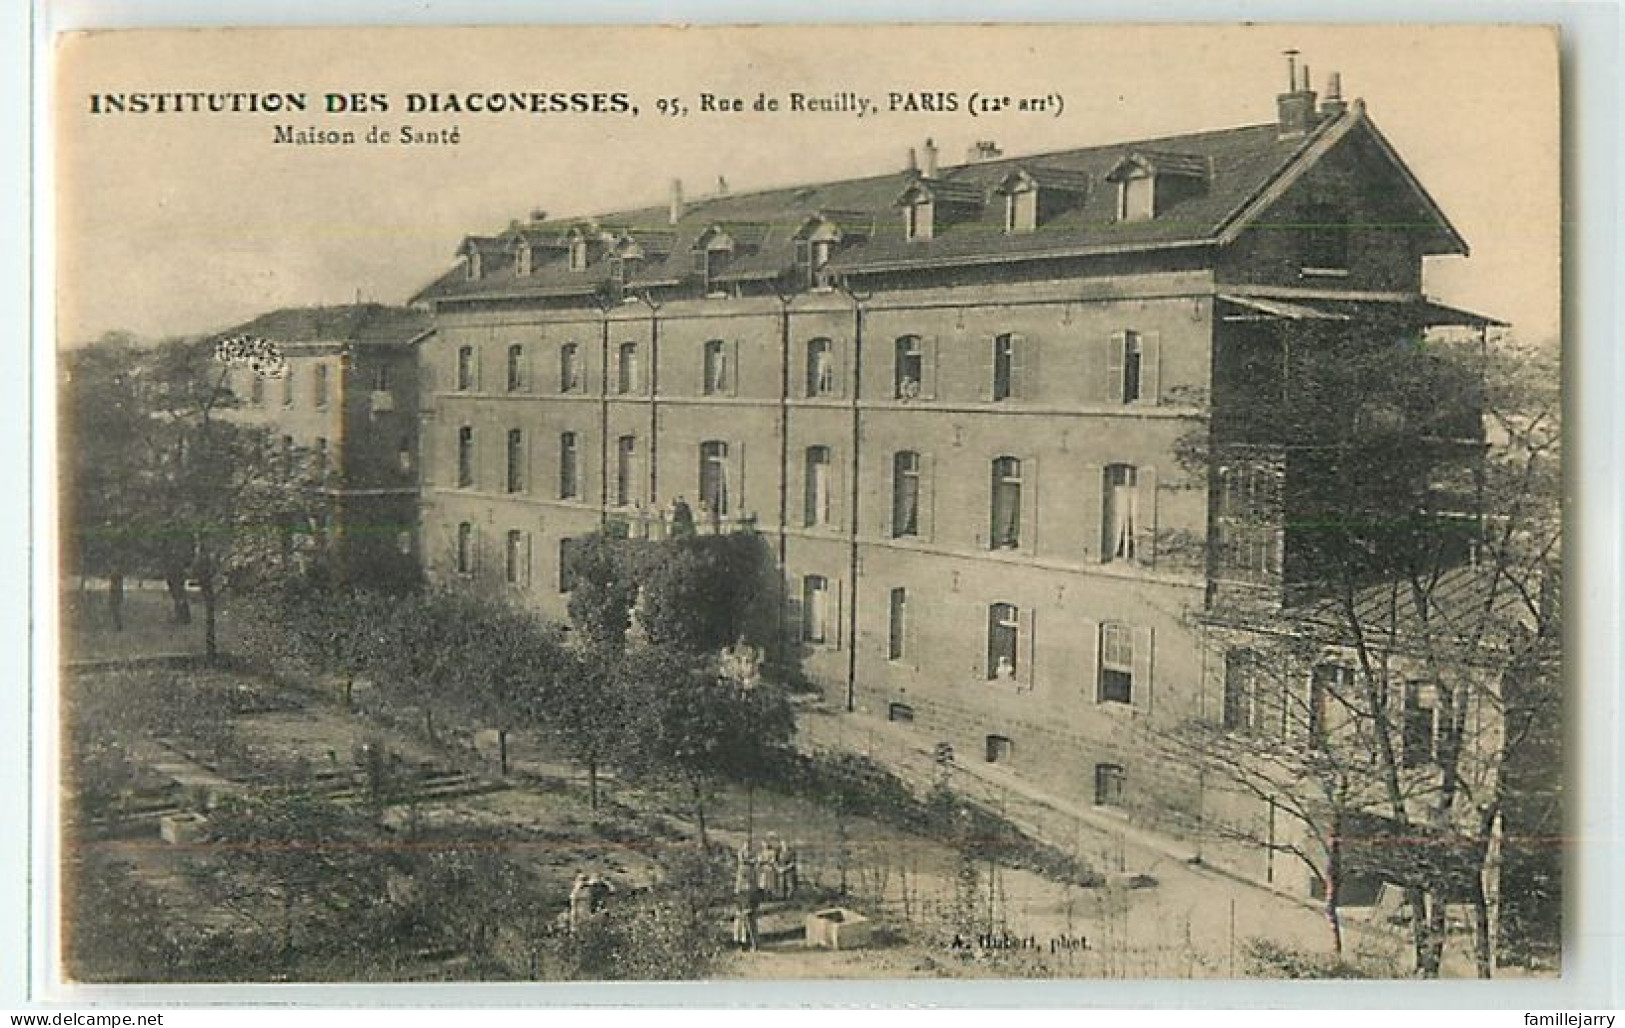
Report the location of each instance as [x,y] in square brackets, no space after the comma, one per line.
[605,588]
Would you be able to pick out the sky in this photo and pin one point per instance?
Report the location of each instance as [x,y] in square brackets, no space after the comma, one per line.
[180,223]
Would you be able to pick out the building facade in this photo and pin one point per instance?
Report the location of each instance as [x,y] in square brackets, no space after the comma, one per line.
[977,410]
[342,401]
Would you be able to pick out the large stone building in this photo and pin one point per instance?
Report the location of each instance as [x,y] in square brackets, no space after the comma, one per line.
[342,401]
[961,403]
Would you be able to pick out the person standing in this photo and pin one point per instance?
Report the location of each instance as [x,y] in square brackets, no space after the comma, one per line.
[580,901]
[767,872]
[785,858]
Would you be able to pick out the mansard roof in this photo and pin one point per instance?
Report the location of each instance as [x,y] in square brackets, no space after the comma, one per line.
[367,324]
[1245,171]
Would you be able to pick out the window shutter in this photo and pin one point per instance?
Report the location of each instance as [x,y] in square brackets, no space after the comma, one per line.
[529,555]
[1142,668]
[912,616]
[1145,529]
[731,384]
[834,633]
[990,364]
[1090,664]
[1029,647]
[736,480]
[1093,506]
[1150,367]
[928,368]
[884,512]
[837,489]
[1115,346]
[927,500]
[1023,368]
[1029,504]
[837,358]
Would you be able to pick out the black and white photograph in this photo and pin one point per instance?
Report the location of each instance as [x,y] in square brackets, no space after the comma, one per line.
[648,504]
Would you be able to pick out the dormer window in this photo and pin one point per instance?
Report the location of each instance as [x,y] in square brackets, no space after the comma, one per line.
[521,262]
[473,265]
[1021,211]
[919,219]
[711,260]
[578,254]
[815,244]
[1136,197]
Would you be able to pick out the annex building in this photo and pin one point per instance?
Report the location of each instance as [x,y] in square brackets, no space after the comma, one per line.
[960,401]
[342,405]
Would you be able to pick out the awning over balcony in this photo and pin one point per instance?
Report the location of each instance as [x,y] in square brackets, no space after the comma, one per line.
[1421,312]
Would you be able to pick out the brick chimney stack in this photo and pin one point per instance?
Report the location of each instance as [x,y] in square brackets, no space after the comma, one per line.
[676,213]
[983,150]
[929,168]
[1295,109]
[1334,104]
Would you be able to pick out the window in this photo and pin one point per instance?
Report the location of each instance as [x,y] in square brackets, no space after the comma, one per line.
[403,454]
[567,565]
[1122,486]
[514,571]
[1325,239]
[626,452]
[910,368]
[716,368]
[818,252]
[918,219]
[819,502]
[999,749]
[1136,197]
[1021,211]
[1116,663]
[465,457]
[287,386]
[569,368]
[1003,639]
[1419,729]
[1245,522]
[569,487]
[815,608]
[1004,532]
[465,549]
[288,465]
[1254,697]
[1109,785]
[711,261]
[1326,681]
[1126,367]
[321,457]
[578,255]
[820,368]
[905,495]
[473,269]
[627,369]
[897,625]
[380,378]
[900,712]
[714,478]
[465,368]
[321,387]
[516,368]
[1004,366]
[521,260]
[516,460]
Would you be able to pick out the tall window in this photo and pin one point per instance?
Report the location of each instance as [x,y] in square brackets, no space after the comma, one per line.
[1136,198]
[568,484]
[897,625]
[380,377]
[403,454]
[578,255]
[716,367]
[1254,697]
[818,502]
[714,477]
[1133,366]
[1122,483]
[465,549]
[627,380]
[910,368]
[905,495]
[465,457]
[514,558]
[626,453]
[1021,211]
[1003,638]
[569,368]
[1116,663]
[919,220]
[516,368]
[1326,682]
[288,462]
[465,368]
[322,467]
[1109,780]
[1005,530]
[567,564]
[820,368]
[287,386]
[815,608]
[321,391]
[1245,522]
[1004,359]
[516,460]
[1419,730]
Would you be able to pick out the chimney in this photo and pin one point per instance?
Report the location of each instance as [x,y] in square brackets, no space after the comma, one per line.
[1334,104]
[983,150]
[1295,109]
[676,213]
[929,169]
[537,216]
[722,186]
[913,161]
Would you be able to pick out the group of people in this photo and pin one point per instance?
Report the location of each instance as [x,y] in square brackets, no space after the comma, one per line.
[589,895]
[768,873]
